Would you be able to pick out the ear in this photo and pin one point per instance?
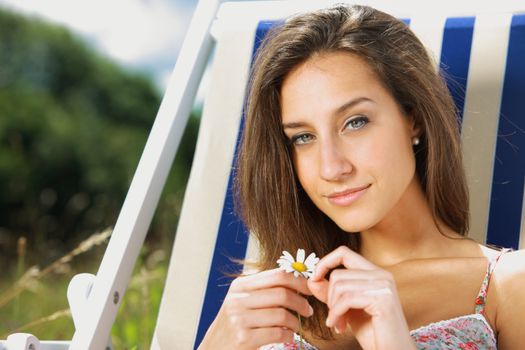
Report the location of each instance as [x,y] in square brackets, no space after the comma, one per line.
[415,129]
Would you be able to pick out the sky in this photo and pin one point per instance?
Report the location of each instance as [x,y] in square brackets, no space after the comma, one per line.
[147,34]
[140,34]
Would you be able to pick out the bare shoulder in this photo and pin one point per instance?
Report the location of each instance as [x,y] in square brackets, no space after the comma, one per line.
[509,277]
[509,281]
[511,266]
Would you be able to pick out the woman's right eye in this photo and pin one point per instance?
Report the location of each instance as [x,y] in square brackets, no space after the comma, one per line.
[301,139]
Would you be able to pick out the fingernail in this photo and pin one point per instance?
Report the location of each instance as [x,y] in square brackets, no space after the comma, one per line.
[337,330]
[310,311]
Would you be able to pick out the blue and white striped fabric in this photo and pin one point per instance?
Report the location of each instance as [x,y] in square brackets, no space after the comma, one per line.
[482,54]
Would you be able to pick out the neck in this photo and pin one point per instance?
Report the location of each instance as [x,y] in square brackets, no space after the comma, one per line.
[407,232]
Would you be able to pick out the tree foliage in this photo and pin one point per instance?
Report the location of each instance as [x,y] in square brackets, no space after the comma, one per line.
[72,127]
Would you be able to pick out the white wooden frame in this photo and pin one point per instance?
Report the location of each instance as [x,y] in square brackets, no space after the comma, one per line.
[94,300]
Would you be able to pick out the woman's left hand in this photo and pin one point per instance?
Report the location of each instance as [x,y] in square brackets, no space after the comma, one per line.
[362,296]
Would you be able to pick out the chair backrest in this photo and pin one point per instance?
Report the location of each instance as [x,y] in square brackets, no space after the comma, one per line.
[481,53]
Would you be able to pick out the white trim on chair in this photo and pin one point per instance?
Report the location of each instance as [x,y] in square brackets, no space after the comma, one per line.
[481,116]
[197,230]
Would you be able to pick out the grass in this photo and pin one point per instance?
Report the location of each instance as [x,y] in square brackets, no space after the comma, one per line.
[34,299]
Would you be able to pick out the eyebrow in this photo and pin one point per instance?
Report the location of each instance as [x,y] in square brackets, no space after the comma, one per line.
[339,110]
[352,103]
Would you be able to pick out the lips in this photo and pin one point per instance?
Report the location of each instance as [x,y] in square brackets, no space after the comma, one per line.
[348,196]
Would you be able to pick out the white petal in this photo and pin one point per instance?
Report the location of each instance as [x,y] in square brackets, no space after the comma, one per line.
[307,274]
[286,267]
[310,260]
[284,261]
[296,273]
[289,269]
[288,256]
[300,255]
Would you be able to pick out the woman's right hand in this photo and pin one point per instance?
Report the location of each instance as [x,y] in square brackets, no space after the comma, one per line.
[259,309]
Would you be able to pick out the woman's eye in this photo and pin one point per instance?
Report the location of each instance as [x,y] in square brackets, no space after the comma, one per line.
[356,123]
[301,139]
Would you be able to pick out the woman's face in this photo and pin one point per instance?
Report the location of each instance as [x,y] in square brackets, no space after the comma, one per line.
[352,144]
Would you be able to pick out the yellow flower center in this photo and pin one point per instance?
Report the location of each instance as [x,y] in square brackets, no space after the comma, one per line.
[299,266]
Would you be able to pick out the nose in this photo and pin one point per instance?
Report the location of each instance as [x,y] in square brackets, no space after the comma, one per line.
[334,163]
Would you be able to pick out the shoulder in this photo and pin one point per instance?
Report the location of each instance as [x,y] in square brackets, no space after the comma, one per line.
[509,275]
[509,281]
[509,278]
[510,269]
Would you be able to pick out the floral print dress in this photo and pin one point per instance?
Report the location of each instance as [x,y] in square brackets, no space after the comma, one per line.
[469,332]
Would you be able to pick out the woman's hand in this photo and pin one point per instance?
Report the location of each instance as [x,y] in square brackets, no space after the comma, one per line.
[259,309]
[362,296]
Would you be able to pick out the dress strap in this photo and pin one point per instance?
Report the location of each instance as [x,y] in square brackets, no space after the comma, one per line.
[482,295]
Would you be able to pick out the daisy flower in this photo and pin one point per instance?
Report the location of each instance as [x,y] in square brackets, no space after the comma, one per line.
[299,266]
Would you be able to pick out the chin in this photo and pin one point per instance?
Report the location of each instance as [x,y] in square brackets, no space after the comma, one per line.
[353,225]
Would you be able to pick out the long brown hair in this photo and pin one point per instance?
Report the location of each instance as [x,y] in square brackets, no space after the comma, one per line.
[269,197]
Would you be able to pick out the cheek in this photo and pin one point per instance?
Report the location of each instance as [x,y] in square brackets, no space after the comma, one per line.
[395,164]
[305,171]
[388,159]
[371,159]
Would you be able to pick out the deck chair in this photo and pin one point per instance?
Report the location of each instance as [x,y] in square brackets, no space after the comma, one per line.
[481,51]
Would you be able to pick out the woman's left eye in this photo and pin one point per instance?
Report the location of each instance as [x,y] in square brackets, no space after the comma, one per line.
[356,123]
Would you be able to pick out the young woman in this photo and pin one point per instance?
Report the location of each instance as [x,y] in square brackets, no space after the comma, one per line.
[351,150]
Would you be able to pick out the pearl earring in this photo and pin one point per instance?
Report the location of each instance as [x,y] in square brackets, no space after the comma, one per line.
[415,140]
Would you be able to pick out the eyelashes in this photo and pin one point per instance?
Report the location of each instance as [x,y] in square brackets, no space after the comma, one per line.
[301,139]
[357,122]
[353,124]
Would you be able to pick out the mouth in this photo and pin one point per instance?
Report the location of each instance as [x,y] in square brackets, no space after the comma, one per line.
[348,196]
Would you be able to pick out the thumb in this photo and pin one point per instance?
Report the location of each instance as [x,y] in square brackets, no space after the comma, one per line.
[319,289]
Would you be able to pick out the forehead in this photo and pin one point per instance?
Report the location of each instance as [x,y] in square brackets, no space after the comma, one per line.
[329,79]
[342,60]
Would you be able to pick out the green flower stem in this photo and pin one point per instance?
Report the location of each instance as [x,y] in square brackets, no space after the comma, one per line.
[300,332]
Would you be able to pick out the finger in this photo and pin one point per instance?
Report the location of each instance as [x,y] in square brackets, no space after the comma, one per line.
[255,338]
[338,288]
[277,297]
[264,318]
[340,325]
[359,274]
[341,256]
[367,301]
[268,279]
[319,289]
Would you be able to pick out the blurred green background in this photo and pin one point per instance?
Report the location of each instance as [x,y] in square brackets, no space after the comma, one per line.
[72,127]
